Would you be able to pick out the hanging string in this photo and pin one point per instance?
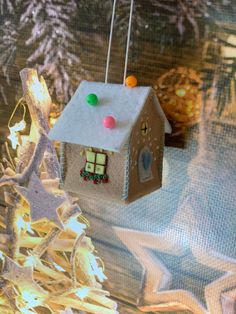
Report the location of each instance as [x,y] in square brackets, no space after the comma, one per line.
[110,41]
[127,44]
[62,146]
[128,40]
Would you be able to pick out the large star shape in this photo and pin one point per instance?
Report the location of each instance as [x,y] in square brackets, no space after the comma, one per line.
[21,276]
[42,203]
[156,295]
[217,289]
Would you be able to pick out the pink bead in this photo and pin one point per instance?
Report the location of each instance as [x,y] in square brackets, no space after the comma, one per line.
[109,122]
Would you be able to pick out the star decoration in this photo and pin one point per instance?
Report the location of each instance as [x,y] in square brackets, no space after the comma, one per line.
[42,203]
[157,296]
[215,290]
[157,276]
[21,276]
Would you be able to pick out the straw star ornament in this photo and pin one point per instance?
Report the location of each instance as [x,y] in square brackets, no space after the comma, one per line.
[42,203]
[21,276]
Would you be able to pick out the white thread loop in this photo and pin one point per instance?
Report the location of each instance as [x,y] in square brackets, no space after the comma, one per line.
[110,41]
[127,44]
[128,40]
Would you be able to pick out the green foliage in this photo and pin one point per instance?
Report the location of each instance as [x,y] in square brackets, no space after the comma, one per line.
[96,178]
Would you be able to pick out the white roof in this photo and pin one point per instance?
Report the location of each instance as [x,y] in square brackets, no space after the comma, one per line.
[82,124]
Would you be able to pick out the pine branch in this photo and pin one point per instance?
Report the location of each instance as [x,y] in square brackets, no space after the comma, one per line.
[6,6]
[182,13]
[54,41]
[8,37]
[220,67]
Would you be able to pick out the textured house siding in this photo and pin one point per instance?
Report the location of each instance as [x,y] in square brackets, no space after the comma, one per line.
[155,141]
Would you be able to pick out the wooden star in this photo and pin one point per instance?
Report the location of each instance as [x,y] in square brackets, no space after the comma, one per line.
[42,203]
[21,276]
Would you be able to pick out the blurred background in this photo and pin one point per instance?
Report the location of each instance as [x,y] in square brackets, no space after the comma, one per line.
[185,50]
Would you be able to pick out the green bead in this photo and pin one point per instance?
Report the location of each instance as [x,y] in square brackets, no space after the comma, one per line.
[92,99]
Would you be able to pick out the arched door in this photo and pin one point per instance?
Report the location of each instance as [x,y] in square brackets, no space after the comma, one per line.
[145,160]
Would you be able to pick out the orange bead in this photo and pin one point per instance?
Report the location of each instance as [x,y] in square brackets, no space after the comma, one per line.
[131,81]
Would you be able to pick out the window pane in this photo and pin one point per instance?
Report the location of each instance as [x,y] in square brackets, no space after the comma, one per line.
[90,156]
[89,167]
[99,169]
[101,159]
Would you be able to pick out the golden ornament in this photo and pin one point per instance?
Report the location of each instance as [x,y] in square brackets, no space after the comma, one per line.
[179,92]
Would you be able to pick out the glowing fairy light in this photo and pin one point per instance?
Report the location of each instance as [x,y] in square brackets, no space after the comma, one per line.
[52,121]
[24,139]
[26,311]
[17,127]
[21,224]
[2,256]
[58,267]
[38,89]
[82,292]
[30,299]
[13,136]
[75,226]
[28,227]
[31,261]
[97,271]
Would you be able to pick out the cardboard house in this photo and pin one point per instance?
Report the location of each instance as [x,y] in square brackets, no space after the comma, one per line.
[121,163]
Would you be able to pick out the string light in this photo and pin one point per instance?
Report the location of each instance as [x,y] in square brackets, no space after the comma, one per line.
[13,136]
[2,256]
[31,261]
[26,311]
[29,295]
[75,226]
[97,271]
[58,267]
[52,121]
[28,227]
[21,224]
[17,127]
[82,293]
[38,89]
[31,299]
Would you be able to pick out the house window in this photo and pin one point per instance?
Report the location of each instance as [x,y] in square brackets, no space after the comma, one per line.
[144,128]
[95,162]
[95,167]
